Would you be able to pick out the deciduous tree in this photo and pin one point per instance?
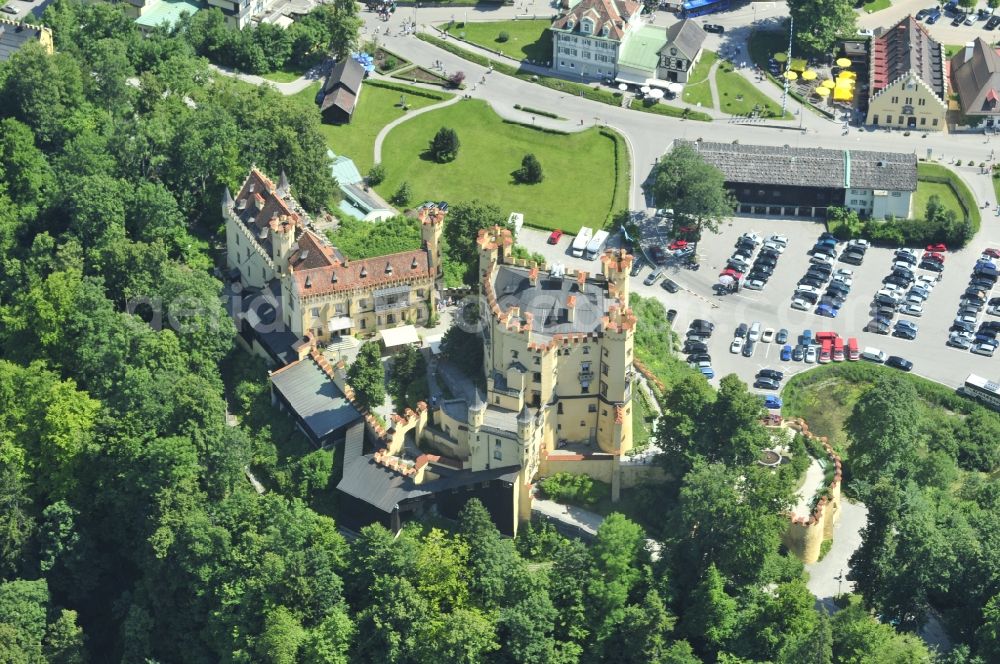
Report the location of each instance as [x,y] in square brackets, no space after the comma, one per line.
[693,188]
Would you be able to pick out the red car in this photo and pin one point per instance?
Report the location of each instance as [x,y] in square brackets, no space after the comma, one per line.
[936,247]
[555,236]
[730,272]
[934,256]
[678,244]
[992,253]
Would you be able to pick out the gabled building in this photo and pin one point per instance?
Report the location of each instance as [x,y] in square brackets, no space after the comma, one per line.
[908,88]
[975,76]
[657,56]
[295,287]
[586,39]
[341,90]
[681,52]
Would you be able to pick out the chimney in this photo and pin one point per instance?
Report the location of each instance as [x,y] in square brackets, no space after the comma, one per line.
[968,50]
[581,280]
[533,276]
[571,308]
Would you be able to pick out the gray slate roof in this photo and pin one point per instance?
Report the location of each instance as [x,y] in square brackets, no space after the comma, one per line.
[810,167]
[687,37]
[15,35]
[547,300]
[315,398]
[383,488]
[977,79]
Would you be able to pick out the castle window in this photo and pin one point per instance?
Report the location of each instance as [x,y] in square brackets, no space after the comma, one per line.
[559,408]
[420,292]
[537,377]
[538,360]
[605,352]
[582,423]
[604,369]
[498,454]
[315,312]
[513,354]
[592,408]
[586,350]
[604,412]
[604,389]
[364,323]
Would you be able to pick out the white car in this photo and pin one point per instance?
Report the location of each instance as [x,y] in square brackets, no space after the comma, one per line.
[821,259]
[845,272]
[859,243]
[754,284]
[966,319]
[779,239]
[912,309]
[753,237]
[736,346]
[841,279]
[802,305]
[904,250]
[902,265]
[983,349]
[811,355]
[780,248]
[754,333]
[806,288]
[768,336]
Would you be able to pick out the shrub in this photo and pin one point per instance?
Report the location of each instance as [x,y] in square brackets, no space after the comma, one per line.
[376,174]
[403,194]
[457,79]
[530,171]
[578,489]
[503,37]
[444,146]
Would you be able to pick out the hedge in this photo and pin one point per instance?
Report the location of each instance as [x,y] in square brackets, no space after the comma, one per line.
[405,89]
[623,175]
[544,130]
[536,111]
[673,111]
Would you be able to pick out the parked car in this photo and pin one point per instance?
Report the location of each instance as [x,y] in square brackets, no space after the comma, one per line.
[959,342]
[826,310]
[555,236]
[749,347]
[932,266]
[637,266]
[767,336]
[781,337]
[772,401]
[939,247]
[737,345]
[766,384]
[657,255]
[786,353]
[898,362]
[755,284]
[773,374]
[983,349]
[811,355]
[992,23]
[802,305]
[798,353]
[670,286]
[653,276]
[912,310]
[677,244]
[715,27]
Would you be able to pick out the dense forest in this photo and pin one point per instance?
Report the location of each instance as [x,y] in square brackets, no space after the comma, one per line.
[129,532]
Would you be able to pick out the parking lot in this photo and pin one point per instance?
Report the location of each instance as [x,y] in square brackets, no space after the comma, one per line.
[928,352]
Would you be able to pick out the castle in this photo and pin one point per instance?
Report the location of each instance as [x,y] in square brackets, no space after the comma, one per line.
[298,290]
[558,361]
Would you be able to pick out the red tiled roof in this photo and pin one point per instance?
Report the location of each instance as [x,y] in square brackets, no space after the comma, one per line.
[374,272]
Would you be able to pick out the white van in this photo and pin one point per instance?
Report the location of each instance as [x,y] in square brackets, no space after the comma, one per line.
[873,354]
[754,331]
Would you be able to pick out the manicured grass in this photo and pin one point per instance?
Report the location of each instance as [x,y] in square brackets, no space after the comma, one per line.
[952,49]
[526,40]
[282,76]
[876,6]
[421,75]
[579,185]
[959,191]
[738,96]
[377,107]
[943,191]
[594,93]
[697,90]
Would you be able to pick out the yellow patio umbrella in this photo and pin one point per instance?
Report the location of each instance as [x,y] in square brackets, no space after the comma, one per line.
[798,64]
[809,75]
[847,74]
[822,92]
[828,83]
[791,76]
[780,57]
[843,62]
[843,94]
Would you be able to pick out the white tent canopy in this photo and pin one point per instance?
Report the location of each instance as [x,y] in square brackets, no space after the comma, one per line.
[399,336]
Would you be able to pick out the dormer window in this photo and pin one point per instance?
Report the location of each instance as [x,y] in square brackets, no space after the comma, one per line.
[605,31]
[388,268]
[309,282]
[364,272]
[242,204]
[333,278]
[586,26]
[571,23]
[413,265]
[304,255]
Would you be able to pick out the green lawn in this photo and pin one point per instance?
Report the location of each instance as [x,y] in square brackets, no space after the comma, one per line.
[377,107]
[283,76]
[952,49]
[579,184]
[527,40]
[949,195]
[697,89]
[738,96]
[876,6]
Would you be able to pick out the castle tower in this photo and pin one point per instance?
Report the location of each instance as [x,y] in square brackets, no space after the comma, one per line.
[616,264]
[282,243]
[431,228]
[525,426]
[614,422]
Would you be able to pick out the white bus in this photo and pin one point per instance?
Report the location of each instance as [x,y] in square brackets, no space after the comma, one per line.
[596,244]
[581,240]
[983,390]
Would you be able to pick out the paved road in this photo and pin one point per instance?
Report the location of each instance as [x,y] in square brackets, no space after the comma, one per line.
[828,577]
